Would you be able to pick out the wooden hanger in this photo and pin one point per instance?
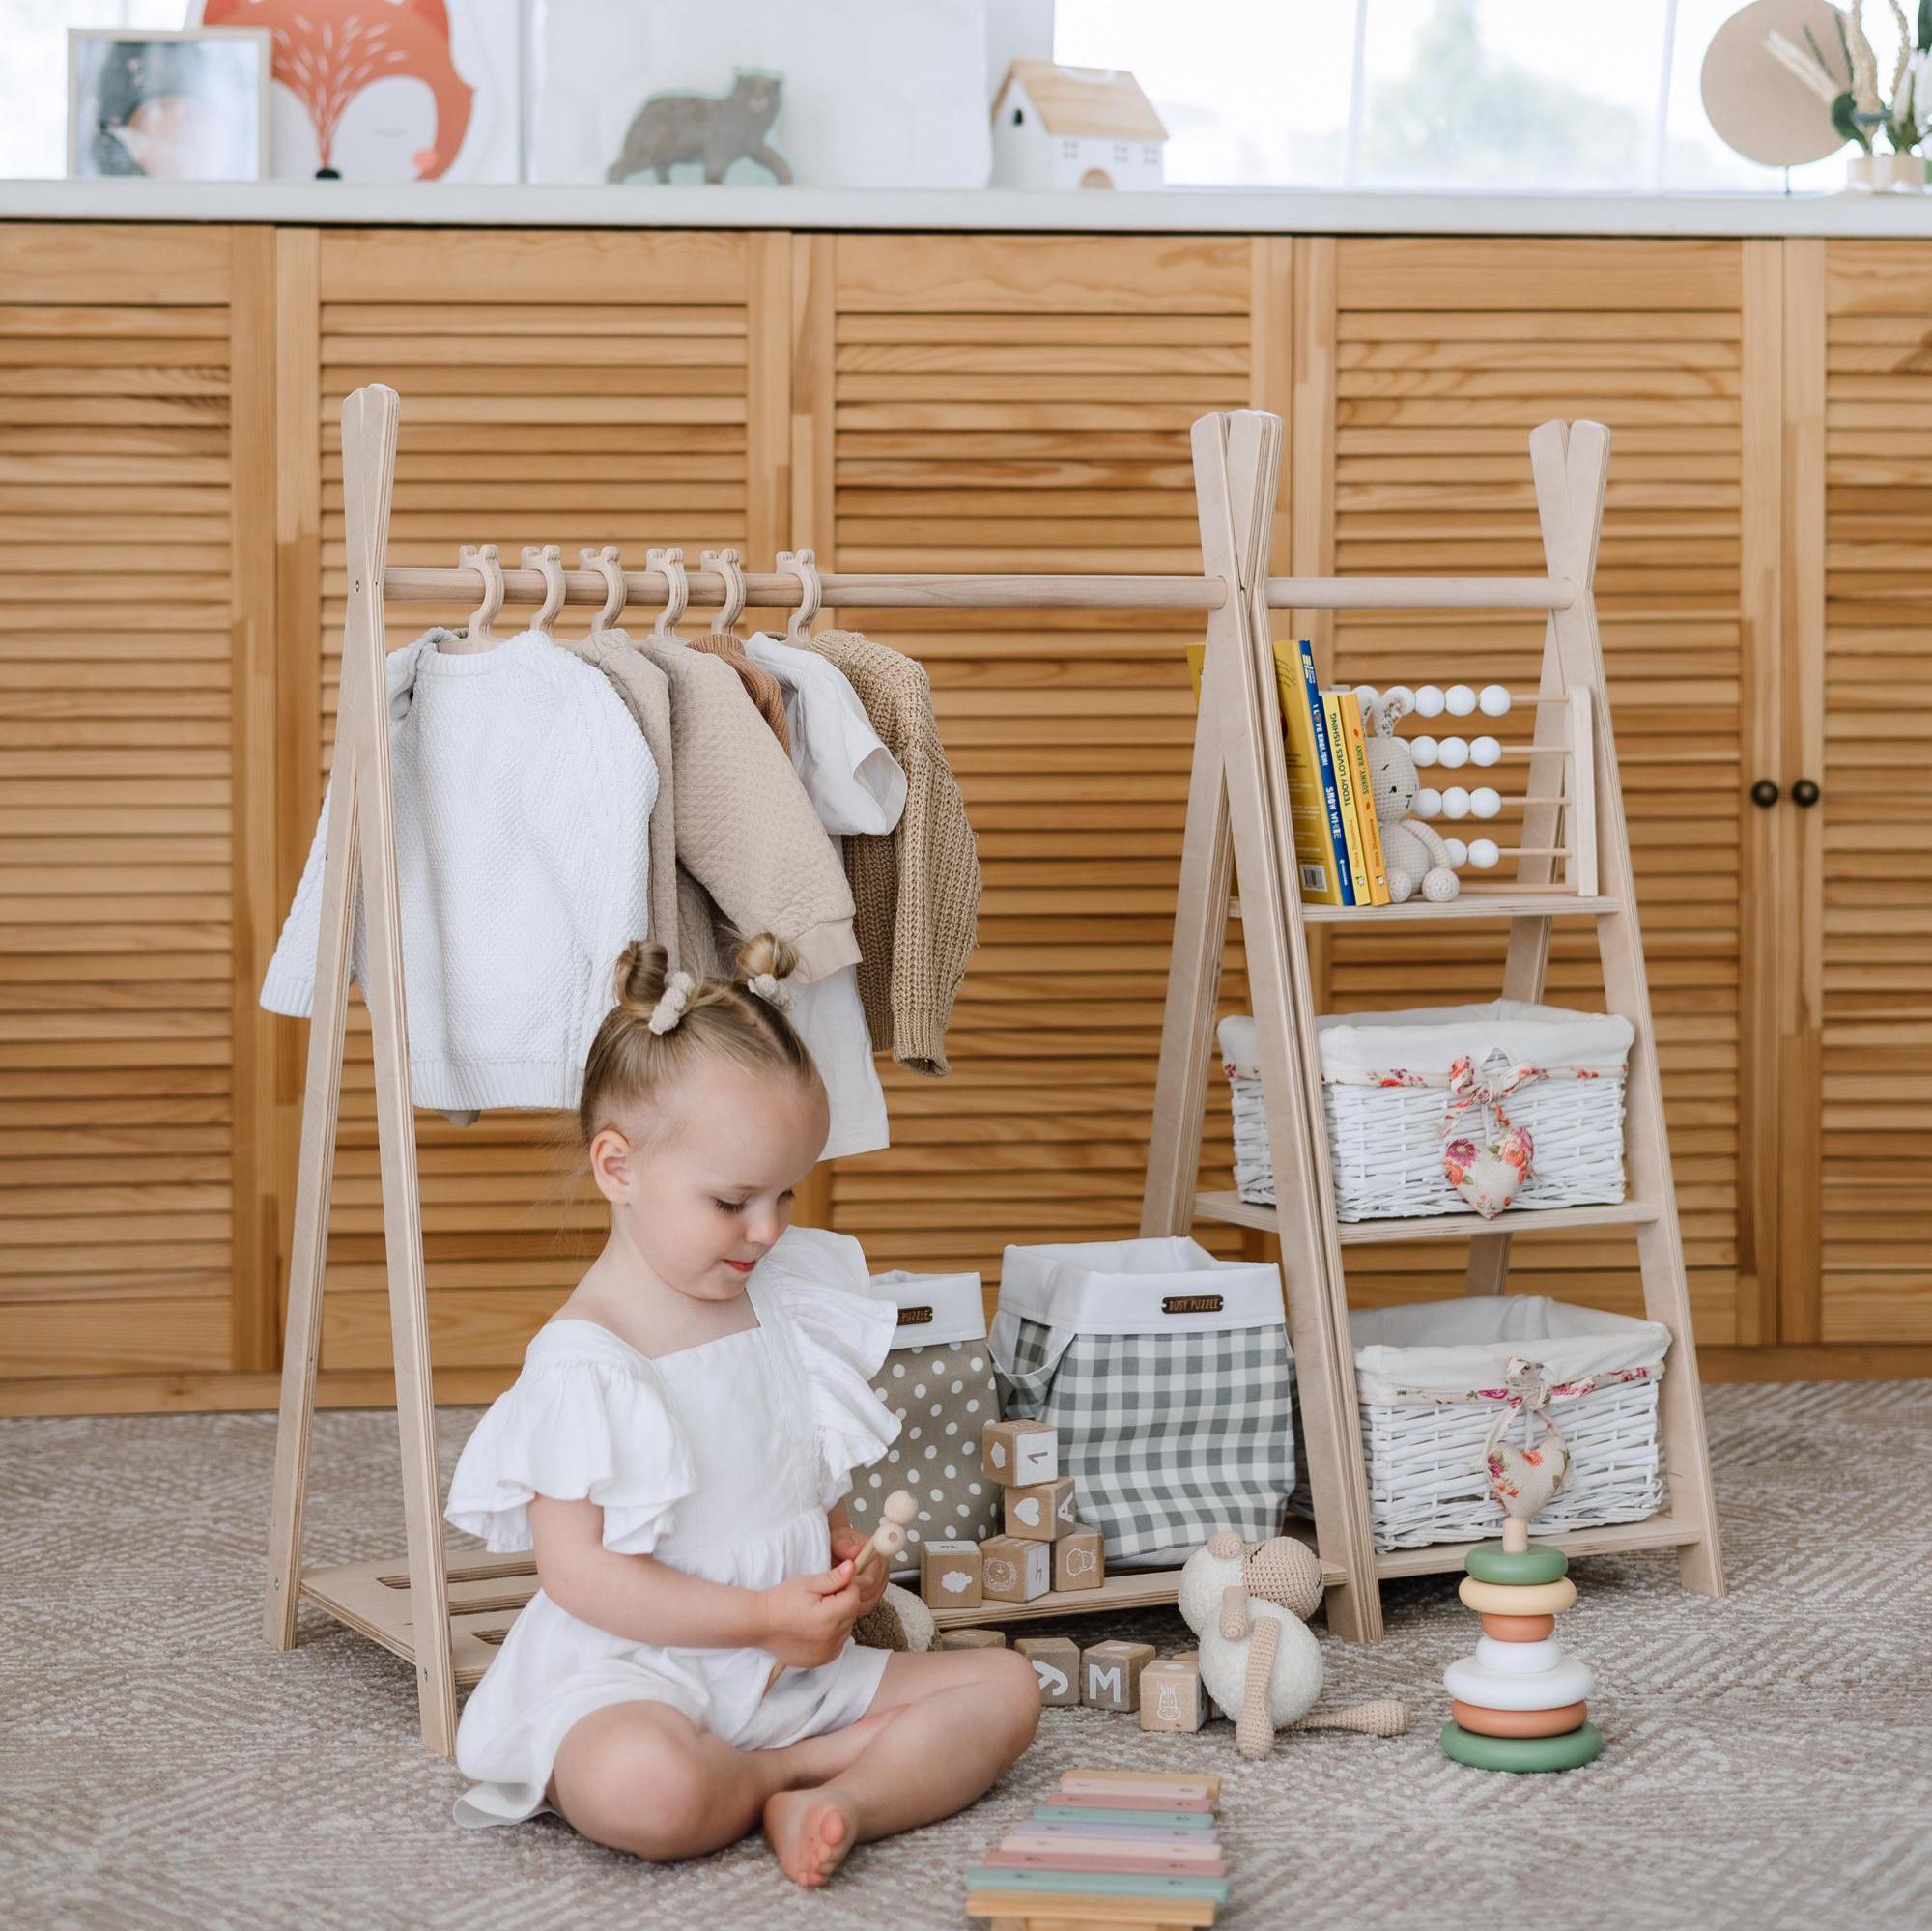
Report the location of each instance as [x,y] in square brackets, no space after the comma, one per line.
[800,563]
[672,563]
[609,564]
[729,564]
[476,636]
[548,558]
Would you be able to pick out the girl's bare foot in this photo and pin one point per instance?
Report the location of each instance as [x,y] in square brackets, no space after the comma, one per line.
[811,1831]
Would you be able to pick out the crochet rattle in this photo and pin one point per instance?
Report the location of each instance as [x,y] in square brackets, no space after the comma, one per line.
[889,1538]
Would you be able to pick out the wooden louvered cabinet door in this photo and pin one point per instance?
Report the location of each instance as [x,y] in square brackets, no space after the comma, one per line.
[136,745]
[1423,364]
[1858,1112]
[1023,403]
[562,386]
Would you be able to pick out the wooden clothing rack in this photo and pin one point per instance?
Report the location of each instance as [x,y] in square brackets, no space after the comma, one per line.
[445,1615]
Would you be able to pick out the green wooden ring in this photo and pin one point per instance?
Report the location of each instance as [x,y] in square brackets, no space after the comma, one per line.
[1491,1562]
[1522,1753]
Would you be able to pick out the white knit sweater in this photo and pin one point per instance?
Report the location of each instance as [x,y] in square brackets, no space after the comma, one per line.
[524,791]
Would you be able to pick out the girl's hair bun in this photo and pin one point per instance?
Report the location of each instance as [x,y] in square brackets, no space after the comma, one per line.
[642,968]
[766,954]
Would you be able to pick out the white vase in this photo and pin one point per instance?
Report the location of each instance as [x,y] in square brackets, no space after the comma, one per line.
[1902,174]
[1862,174]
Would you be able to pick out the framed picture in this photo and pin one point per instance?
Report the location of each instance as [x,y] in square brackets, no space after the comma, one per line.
[187,105]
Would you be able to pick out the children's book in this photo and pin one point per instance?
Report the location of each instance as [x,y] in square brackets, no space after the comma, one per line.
[1368,826]
[1346,784]
[1321,763]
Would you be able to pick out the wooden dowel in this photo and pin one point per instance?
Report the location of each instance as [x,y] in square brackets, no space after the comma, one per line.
[1419,594]
[875,590]
[768,590]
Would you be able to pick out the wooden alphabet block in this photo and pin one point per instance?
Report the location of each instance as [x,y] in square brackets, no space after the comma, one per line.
[1043,1511]
[1015,1570]
[1079,1560]
[1171,1695]
[1014,1453]
[949,1575]
[971,1640]
[1055,1662]
[1110,1675]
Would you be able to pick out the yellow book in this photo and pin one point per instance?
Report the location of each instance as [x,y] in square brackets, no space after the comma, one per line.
[1366,821]
[1346,784]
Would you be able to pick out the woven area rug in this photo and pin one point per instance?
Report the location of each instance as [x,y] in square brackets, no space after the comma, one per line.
[1767,1762]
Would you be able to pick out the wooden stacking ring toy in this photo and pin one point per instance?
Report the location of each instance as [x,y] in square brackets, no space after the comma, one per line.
[1468,1682]
[1519,1629]
[1568,1751]
[1488,1563]
[1517,1659]
[1502,1598]
[1481,1723]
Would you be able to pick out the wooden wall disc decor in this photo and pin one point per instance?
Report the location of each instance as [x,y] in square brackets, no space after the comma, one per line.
[1758,106]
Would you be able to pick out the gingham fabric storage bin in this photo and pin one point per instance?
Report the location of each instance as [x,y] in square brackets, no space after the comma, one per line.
[938,1380]
[1429,1379]
[1168,1375]
[1386,1088]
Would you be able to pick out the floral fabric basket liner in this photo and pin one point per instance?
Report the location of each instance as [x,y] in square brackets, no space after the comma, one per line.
[1168,1375]
[938,1381]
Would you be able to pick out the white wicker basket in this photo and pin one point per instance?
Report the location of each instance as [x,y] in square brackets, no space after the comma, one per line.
[1385,1090]
[1418,1370]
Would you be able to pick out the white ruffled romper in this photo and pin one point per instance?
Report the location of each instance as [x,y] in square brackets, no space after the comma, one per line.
[722,1461]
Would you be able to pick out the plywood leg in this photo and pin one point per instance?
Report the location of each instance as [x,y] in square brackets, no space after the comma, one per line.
[1570,470]
[1235,460]
[369,418]
[301,1336]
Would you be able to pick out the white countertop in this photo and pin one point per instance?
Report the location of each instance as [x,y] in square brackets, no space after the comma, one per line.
[1182,210]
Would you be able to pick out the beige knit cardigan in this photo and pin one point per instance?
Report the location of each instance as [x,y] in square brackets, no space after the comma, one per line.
[646,690]
[916,889]
[746,830]
[761,686]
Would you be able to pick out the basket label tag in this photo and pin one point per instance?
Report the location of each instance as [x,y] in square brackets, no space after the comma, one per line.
[914,1317]
[1191,1304]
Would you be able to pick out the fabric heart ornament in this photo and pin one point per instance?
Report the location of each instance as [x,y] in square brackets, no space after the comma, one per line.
[1489,1176]
[1523,1479]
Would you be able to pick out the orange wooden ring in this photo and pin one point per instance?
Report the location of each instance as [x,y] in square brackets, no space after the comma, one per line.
[1519,1629]
[1483,1723]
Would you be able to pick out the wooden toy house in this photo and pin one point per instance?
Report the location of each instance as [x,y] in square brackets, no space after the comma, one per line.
[1074,127]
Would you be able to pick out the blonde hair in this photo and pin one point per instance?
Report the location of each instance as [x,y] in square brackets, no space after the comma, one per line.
[664,1023]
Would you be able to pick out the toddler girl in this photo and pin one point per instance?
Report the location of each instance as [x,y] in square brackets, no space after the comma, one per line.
[676,1450]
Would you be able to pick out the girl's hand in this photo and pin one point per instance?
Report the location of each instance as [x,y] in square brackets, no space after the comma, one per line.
[846,1543]
[809,1618]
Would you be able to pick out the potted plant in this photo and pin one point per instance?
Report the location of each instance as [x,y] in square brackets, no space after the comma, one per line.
[1858,112]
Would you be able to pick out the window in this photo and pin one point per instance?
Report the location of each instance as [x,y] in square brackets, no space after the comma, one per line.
[1400,93]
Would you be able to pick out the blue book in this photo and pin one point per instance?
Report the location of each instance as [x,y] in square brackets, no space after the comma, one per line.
[1331,791]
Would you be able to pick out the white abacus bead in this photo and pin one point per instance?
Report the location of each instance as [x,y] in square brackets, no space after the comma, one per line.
[1454,752]
[1428,803]
[1459,852]
[1485,750]
[1402,697]
[1460,700]
[1455,803]
[1494,700]
[1429,701]
[1368,698]
[1425,751]
[1482,853]
[1486,801]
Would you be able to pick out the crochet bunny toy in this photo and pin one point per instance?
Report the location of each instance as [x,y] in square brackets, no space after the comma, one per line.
[1412,852]
[1248,1604]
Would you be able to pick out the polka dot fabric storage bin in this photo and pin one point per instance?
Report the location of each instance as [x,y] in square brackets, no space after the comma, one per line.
[938,1380]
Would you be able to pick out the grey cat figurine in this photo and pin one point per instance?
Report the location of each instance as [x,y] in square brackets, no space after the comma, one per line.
[673,127]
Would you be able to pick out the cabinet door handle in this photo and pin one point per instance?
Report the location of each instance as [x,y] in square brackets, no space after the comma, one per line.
[1764,794]
[1804,793]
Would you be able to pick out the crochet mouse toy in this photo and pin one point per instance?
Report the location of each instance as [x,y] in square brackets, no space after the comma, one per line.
[1413,853]
[1247,1602]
